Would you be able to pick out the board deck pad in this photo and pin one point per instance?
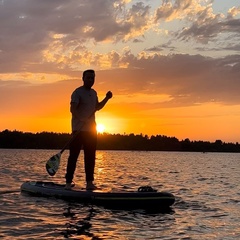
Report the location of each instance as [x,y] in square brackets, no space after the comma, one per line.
[74,187]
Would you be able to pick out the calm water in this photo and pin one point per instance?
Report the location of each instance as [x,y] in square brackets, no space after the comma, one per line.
[206,187]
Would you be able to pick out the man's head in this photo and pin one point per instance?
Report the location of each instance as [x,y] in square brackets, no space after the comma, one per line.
[88,78]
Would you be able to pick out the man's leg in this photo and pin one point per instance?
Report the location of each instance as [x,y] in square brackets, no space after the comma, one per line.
[89,146]
[74,150]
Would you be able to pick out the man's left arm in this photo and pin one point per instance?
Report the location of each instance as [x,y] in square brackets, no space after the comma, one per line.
[101,104]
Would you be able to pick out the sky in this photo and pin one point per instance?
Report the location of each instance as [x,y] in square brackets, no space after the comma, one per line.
[173,66]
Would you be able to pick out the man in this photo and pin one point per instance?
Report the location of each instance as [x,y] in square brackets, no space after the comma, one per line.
[84,103]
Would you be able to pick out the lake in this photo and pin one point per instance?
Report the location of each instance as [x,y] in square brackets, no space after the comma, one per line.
[206,187]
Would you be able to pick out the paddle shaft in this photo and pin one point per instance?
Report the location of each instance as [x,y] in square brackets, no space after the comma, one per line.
[75,134]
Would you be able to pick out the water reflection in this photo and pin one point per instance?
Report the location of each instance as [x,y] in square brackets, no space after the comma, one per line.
[78,225]
[101,223]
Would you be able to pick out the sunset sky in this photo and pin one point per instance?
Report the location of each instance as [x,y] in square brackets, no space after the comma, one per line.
[173,66]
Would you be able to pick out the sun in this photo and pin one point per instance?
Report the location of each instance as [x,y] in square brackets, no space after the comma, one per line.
[100,128]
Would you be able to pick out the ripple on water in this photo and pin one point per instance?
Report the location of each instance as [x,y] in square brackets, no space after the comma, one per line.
[207,197]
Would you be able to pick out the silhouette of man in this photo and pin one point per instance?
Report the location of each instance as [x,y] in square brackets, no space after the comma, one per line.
[84,103]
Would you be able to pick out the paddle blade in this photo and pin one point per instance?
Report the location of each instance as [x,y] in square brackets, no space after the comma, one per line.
[52,164]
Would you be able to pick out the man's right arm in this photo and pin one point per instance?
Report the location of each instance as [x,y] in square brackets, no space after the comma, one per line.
[74,111]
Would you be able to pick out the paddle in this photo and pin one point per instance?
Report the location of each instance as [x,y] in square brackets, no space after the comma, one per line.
[53,163]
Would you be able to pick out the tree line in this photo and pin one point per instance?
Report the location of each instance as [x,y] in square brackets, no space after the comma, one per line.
[107,141]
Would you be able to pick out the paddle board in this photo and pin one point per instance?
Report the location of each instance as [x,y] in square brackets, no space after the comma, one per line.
[145,197]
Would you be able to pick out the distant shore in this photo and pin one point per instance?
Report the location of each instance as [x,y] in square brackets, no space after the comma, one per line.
[106,141]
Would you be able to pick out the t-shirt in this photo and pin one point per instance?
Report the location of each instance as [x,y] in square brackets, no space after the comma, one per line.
[86,100]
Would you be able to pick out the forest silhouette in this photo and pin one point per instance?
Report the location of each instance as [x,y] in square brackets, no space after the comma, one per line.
[106,141]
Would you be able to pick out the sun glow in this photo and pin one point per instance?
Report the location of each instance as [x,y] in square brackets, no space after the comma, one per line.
[100,128]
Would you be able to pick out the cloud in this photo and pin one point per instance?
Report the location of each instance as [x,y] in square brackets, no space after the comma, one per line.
[162,47]
[201,24]
[34,32]
[209,31]
[186,80]
[58,37]
[233,12]
[180,9]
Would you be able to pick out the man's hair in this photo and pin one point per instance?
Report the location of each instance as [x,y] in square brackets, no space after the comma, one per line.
[88,71]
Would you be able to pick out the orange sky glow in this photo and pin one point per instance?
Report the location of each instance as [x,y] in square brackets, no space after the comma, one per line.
[173,66]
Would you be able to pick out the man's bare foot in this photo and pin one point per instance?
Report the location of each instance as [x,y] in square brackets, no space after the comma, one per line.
[91,186]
